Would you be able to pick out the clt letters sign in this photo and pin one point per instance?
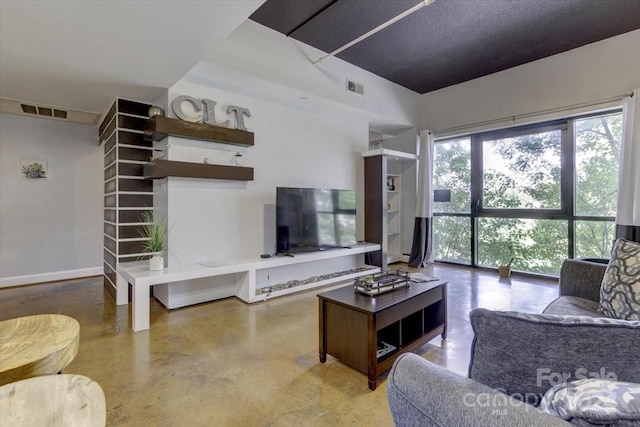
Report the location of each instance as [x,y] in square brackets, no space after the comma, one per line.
[204,112]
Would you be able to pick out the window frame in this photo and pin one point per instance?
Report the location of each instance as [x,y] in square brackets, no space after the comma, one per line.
[567,210]
[477,173]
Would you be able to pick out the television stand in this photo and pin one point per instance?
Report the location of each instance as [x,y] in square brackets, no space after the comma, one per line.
[251,280]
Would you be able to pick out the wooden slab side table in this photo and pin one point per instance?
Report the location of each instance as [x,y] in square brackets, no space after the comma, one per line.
[37,345]
[53,400]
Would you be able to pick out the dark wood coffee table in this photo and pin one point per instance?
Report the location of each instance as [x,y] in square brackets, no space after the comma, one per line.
[352,325]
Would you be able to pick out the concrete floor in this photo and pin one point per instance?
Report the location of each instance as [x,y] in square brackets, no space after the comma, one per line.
[226,363]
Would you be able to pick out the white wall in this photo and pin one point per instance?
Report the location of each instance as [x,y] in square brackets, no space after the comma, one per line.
[406,141]
[590,73]
[260,51]
[213,220]
[49,229]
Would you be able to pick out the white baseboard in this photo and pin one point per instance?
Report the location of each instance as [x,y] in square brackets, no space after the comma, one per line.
[31,279]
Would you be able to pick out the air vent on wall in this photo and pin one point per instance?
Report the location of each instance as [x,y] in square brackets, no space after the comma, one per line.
[32,109]
[355,87]
[29,109]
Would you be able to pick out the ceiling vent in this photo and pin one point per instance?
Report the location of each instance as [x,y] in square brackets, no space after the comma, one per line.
[32,109]
[355,87]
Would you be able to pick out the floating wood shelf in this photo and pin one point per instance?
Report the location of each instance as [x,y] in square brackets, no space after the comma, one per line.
[159,127]
[157,169]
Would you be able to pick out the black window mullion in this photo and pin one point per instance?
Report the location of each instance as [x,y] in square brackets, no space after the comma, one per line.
[476,193]
[568,189]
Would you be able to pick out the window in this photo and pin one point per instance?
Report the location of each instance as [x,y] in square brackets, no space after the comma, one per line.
[597,148]
[538,194]
[522,171]
[452,238]
[452,171]
[537,245]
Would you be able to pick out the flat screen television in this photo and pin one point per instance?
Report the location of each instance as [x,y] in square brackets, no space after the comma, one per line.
[313,219]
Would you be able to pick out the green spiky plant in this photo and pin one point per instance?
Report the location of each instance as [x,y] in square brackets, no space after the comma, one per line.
[511,257]
[155,230]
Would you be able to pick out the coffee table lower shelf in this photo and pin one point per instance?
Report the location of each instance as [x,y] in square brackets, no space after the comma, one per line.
[351,325]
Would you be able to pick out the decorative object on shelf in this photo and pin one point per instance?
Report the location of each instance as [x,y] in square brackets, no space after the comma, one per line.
[154,110]
[156,263]
[210,114]
[236,159]
[155,231]
[204,112]
[33,169]
[239,113]
[391,184]
[375,145]
[381,283]
[195,117]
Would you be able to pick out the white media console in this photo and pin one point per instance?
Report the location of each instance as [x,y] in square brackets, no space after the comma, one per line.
[251,279]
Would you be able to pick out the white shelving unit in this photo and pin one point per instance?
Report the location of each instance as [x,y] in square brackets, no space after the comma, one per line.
[385,171]
[394,229]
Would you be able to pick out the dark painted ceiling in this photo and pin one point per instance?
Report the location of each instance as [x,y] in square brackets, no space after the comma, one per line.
[448,41]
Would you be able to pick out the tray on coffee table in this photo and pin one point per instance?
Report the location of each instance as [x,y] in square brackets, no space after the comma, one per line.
[380,283]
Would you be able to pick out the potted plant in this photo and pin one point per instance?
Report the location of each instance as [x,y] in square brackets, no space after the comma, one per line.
[155,231]
[505,269]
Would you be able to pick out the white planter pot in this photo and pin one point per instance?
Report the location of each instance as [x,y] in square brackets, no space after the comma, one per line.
[156,263]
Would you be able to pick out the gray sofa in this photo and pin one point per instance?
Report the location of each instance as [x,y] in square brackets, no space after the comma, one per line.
[516,357]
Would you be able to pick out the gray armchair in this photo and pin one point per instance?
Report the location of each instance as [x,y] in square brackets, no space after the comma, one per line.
[579,292]
[519,355]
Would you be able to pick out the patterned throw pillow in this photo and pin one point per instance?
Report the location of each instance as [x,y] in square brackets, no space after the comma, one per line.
[620,290]
[594,402]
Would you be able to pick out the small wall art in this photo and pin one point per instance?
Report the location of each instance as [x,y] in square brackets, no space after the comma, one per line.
[33,169]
